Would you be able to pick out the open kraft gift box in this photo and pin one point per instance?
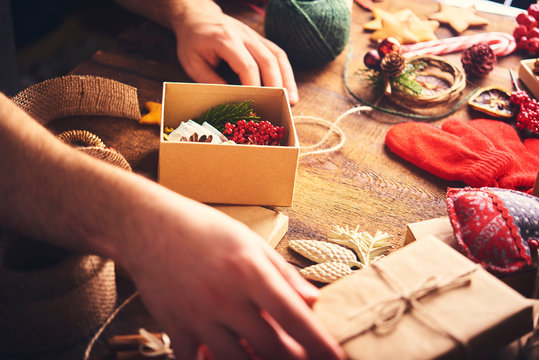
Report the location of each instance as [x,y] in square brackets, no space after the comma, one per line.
[228,173]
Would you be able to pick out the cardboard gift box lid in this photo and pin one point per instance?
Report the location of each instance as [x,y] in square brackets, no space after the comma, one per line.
[464,320]
[270,224]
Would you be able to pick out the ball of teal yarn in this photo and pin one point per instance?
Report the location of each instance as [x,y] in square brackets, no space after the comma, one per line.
[312,33]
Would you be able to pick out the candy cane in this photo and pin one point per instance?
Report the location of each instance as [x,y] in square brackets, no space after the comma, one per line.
[501,43]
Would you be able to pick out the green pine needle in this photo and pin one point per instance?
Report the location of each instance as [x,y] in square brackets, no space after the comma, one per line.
[408,84]
[230,112]
[405,80]
[373,78]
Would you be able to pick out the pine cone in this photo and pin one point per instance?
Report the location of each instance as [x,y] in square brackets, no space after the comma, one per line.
[478,60]
[392,64]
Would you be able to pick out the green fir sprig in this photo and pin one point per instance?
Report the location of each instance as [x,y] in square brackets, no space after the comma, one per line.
[230,112]
[404,81]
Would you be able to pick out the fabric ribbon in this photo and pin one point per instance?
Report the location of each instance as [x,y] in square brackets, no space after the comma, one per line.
[390,311]
[155,346]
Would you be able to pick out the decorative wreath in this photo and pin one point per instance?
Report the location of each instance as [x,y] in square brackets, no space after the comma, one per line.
[440,81]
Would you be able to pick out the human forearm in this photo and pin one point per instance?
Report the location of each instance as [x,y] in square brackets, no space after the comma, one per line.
[53,192]
[202,275]
[167,12]
[33,167]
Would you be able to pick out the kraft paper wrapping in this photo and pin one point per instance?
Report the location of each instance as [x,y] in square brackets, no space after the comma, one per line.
[469,320]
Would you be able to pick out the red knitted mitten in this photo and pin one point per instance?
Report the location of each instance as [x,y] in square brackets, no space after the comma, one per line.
[532,145]
[521,176]
[472,159]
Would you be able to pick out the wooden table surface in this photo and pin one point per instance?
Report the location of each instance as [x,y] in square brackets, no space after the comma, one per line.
[361,184]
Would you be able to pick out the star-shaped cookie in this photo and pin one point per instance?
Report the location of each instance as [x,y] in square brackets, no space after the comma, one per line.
[458,18]
[422,29]
[405,26]
[378,14]
[393,28]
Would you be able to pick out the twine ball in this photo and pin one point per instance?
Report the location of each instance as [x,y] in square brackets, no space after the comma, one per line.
[311,32]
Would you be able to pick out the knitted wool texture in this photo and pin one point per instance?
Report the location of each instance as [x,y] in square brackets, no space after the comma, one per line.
[312,33]
[471,159]
[521,176]
[478,152]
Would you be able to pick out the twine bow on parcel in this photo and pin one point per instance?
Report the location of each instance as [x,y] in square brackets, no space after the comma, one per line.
[388,312]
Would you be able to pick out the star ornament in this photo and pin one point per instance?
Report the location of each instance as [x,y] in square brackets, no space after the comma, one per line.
[153,117]
[408,31]
[379,14]
[404,25]
[459,19]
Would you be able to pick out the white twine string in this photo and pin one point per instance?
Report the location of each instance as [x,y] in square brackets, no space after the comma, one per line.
[106,323]
[332,128]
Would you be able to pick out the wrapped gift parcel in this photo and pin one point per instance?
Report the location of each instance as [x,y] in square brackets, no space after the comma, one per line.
[423,301]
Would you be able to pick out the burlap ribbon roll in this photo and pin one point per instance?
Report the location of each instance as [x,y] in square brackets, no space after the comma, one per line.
[78,95]
[49,297]
[93,145]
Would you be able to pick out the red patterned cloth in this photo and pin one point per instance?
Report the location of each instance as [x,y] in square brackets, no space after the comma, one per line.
[494,227]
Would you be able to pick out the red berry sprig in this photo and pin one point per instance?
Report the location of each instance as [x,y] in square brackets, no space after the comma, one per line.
[526,32]
[528,117]
[257,133]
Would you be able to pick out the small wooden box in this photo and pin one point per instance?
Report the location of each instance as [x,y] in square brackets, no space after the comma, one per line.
[526,75]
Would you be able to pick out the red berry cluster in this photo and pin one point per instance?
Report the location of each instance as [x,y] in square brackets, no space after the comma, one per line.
[257,133]
[526,33]
[528,117]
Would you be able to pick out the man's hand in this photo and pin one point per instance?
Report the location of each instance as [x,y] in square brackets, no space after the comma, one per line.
[210,280]
[205,36]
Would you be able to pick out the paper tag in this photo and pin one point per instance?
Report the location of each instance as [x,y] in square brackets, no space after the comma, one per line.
[217,134]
